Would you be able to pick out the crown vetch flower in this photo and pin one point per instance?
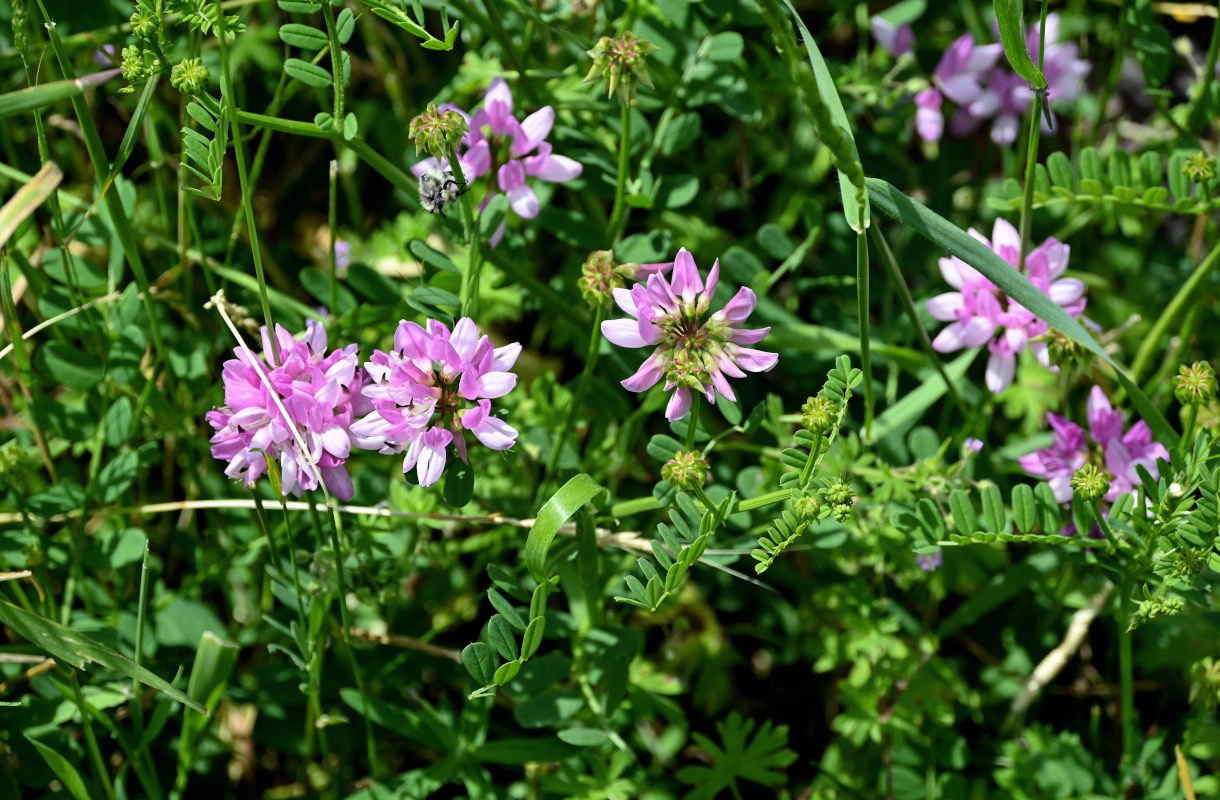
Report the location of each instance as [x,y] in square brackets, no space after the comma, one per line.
[691,353]
[320,390]
[1116,452]
[897,40]
[979,313]
[431,388]
[497,142]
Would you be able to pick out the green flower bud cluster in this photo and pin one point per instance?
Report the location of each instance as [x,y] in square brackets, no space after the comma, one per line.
[686,470]
[1205,682]
[1155,607]
[1195,385]
[189,76]
[818,414]
[1090,483]
[807,507]
[437,132]
[839,494]
[687,369]
[144,23]
[599,277]
[1065,352]
[1199,167]
[621,61]
[138,64]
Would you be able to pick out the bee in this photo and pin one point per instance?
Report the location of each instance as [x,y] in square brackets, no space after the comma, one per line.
[437,188]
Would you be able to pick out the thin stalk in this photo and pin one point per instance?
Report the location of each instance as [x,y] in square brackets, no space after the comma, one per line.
[618,216]
[1116,71]
[1189,291]
[693,422]
[239,153]
[1198,116]
[474,262]
[1031,161]
[1126,672]
[582,386]
[1103,525]
[1191,416]
[95,754]
[866,359]
[151,781]
[770,498]
[333,217]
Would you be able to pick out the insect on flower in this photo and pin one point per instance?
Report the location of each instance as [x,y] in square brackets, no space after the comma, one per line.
[437,188]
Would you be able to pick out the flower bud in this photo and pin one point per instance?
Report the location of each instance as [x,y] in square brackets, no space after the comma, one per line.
[807,507]
[1090,483]
[1199,167]
[839,493]
[144,23]
[687,369]
[1195,385]
[599,277]
[189,76]
[622,63]
[686,470]
[819,413]
[133,66]
[437,131]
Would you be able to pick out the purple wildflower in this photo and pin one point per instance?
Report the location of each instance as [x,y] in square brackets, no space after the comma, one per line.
[498,142]
[343,254]
[929,119]
[972,445]
[930,561]
[1119,452]
[431,388]
[321,393]
[105,57]
[979,313]
[897,40]
[690,353]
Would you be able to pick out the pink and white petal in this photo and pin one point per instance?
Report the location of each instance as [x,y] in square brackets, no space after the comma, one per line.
[495,238]
[496,384]
[465,338]
[949,339]
[953,269]
[977,332]
[755,360]
[685,281]
[523,201]
[476,161]
[721,385]
[1004,129]
[425,165]
[750,335]
[623,332]
[648,374]
[553,168]
[338,482]
[1061,486]
[740,307]
[1032,463]
[624,300]
[498,94]
[534,129]
[1066,291]
[511,175]
[679,404]
[503,358]
[944,307]
[495,433]
[999,373]
[1004,235]
[336,441]
[431,463]
[713,277]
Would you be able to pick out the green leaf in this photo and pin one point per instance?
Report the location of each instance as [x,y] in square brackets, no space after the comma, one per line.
[28,197]
[307,73]
[344,25]
[583,737]
[350,126]
[61,498]
[994,515]
[963,512]
[727,46]
[44,94]
[117,476]
[459,483]
[507,671]
[562,505]
[77,650]
[62,768]
[480,662]
[1010,16]
[533,637]
[517,751]
[762,758]
[957,242]
[501,636]
[432,258]
[1024,510]
[214,661]
[68,365]
[305,37]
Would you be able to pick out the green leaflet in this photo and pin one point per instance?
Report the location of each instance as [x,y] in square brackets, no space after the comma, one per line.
[32,98]
[562,505]
[959,243]
[77,650]
[1010,17]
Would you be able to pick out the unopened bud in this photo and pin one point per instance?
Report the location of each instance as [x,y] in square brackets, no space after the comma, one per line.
[1199,167]
[144,23]
[1195,385]
[807,507]
[189,76]
[818,414]
[437,131]
[1090,483]
[599,277]
[686,470]
[621,61]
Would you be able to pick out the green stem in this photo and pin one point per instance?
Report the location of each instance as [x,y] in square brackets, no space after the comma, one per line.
[866,360]
[692,422]
[618,216]
[239,153]
[1031,161]
[770,498]
[582,386]
[1191,416]
[1116,71]
[1188,292]
[1126,672]
[1198,116]
[474,261]
[95,754]
[333,216]
[1103,524]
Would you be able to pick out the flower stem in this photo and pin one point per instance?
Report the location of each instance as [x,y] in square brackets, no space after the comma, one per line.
[474,261]
[866,361]
[778,496]
[1126,672]
[95,754]
[618,216]
[333,217]
[693,422]
[582,386]
[1198,116]
[1103,524]
[1188,291]
[1031,149]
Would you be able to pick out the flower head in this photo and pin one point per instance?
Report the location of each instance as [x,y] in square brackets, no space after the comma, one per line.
[514,150]
[622,62]
[686,470]
[897,40]
[1116,452]
[437,131]
[690,352]
[930,561]
[320,390]
[1195,385]
[979,313]
[435,385]
[189,76]
[1090,483]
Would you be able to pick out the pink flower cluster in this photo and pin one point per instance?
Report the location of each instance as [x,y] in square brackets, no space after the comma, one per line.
[321,393]
[498,142]
[420,397]
[434,385]
[691,353]
[1119,452]
[981,84]
[979,313]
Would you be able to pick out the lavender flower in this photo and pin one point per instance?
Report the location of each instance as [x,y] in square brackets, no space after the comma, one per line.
[979,313]
[431,388]
[690,353]
[930,561]
[897,40]
[321,393]
[498,142]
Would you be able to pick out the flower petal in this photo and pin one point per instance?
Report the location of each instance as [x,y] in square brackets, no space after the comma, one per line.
[1000,369]
[623,332]
[523,201]
[685,281]
[679,404]
[534,129]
